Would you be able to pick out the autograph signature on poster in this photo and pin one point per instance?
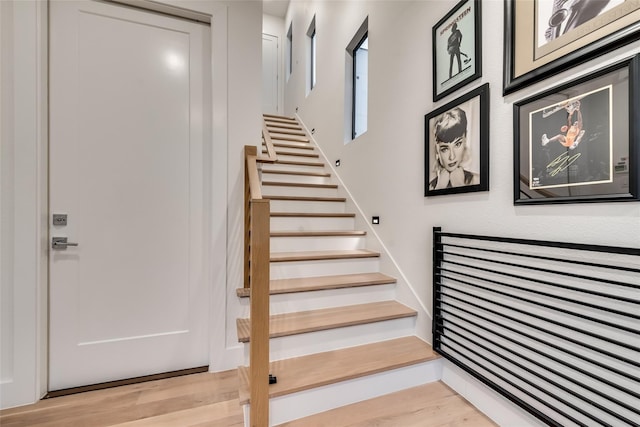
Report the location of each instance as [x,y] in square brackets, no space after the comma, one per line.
[561,162]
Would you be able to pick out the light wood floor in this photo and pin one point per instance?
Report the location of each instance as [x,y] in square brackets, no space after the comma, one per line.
[211,400]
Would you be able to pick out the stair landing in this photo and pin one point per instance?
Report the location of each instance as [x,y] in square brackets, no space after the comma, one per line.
[297,374]
[429,405]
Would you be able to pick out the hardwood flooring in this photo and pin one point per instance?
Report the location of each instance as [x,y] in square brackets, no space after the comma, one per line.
[196,400]
[429,405]
[211,400]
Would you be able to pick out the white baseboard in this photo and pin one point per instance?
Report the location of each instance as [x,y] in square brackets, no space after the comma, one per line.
[489,402]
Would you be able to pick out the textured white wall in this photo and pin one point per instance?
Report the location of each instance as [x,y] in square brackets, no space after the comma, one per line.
[384,169]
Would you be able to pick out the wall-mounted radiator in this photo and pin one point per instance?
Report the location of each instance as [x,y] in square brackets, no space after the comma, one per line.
[552,326]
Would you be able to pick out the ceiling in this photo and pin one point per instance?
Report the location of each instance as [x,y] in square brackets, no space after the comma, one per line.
[275,7]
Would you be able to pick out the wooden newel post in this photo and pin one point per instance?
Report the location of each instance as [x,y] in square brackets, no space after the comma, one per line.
[259,339]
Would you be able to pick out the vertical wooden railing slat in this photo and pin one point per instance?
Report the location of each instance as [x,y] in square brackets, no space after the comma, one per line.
[256,277]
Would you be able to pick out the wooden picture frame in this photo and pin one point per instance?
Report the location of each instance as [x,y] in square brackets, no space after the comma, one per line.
[578,142]
[542,38]
[457,145]
[457,40]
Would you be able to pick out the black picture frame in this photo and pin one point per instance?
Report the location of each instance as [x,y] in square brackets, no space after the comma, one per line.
[578,142]
[535,49]
[457,40]
[463,121]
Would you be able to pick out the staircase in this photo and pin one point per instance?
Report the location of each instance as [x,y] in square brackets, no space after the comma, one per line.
[337,333]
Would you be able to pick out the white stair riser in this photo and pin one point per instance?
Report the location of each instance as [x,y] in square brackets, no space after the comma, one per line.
[285,138]
[304,179]
[289,270]
[294,158]
[298,345]
[298,168]
[319,243]
[297,150]
[298,405]
[281,190]
[304,301]
[338,338]
[305,206]
[311,223]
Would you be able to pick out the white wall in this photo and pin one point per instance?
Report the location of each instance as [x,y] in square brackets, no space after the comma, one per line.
[383,169]
[22,197]
[236,121]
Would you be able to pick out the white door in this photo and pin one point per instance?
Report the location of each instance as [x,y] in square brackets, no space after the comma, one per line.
[270,74]
[127,123]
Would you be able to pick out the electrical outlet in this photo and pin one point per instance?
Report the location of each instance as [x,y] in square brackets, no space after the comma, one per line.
[375,220]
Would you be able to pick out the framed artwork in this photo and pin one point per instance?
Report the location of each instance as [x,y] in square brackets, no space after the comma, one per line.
[457,58]
[579,142]
[457,145]
[544,37]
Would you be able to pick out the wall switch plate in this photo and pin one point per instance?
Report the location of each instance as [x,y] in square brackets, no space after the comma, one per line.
[59,219]
[375,220]
[337,162]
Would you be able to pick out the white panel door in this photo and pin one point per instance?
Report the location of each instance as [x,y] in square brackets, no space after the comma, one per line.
[126,167]
[270,74]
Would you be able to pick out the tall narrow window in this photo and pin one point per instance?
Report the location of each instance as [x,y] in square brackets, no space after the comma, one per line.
[290,50]
[311,33]
[360,86]
[358,51]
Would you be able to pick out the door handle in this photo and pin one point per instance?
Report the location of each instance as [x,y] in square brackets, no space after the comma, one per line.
[61,243]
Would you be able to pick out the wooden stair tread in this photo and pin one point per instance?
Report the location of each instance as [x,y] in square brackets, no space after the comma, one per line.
[286,131]
[306,284]
[412,407]
[297,184]
[282,137]
[293,153]
[277,116]
[296,374]
[279,119]
[313,214]
[302,322]
[327,233]
[299,173]
[322,255]
[298,145]
[299,163]
[306,198]
[271,124]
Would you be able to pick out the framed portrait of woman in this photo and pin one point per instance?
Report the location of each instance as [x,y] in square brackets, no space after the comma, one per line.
[457,53]
[457,145]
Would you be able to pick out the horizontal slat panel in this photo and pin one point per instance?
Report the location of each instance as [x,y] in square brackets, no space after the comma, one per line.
[553,326]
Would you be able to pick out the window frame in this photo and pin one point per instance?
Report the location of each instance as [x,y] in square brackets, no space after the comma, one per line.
[290,50]
[312,35]
[365,37]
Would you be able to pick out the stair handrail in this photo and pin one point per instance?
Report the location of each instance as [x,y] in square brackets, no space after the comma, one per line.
[256,278]
[271,152]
